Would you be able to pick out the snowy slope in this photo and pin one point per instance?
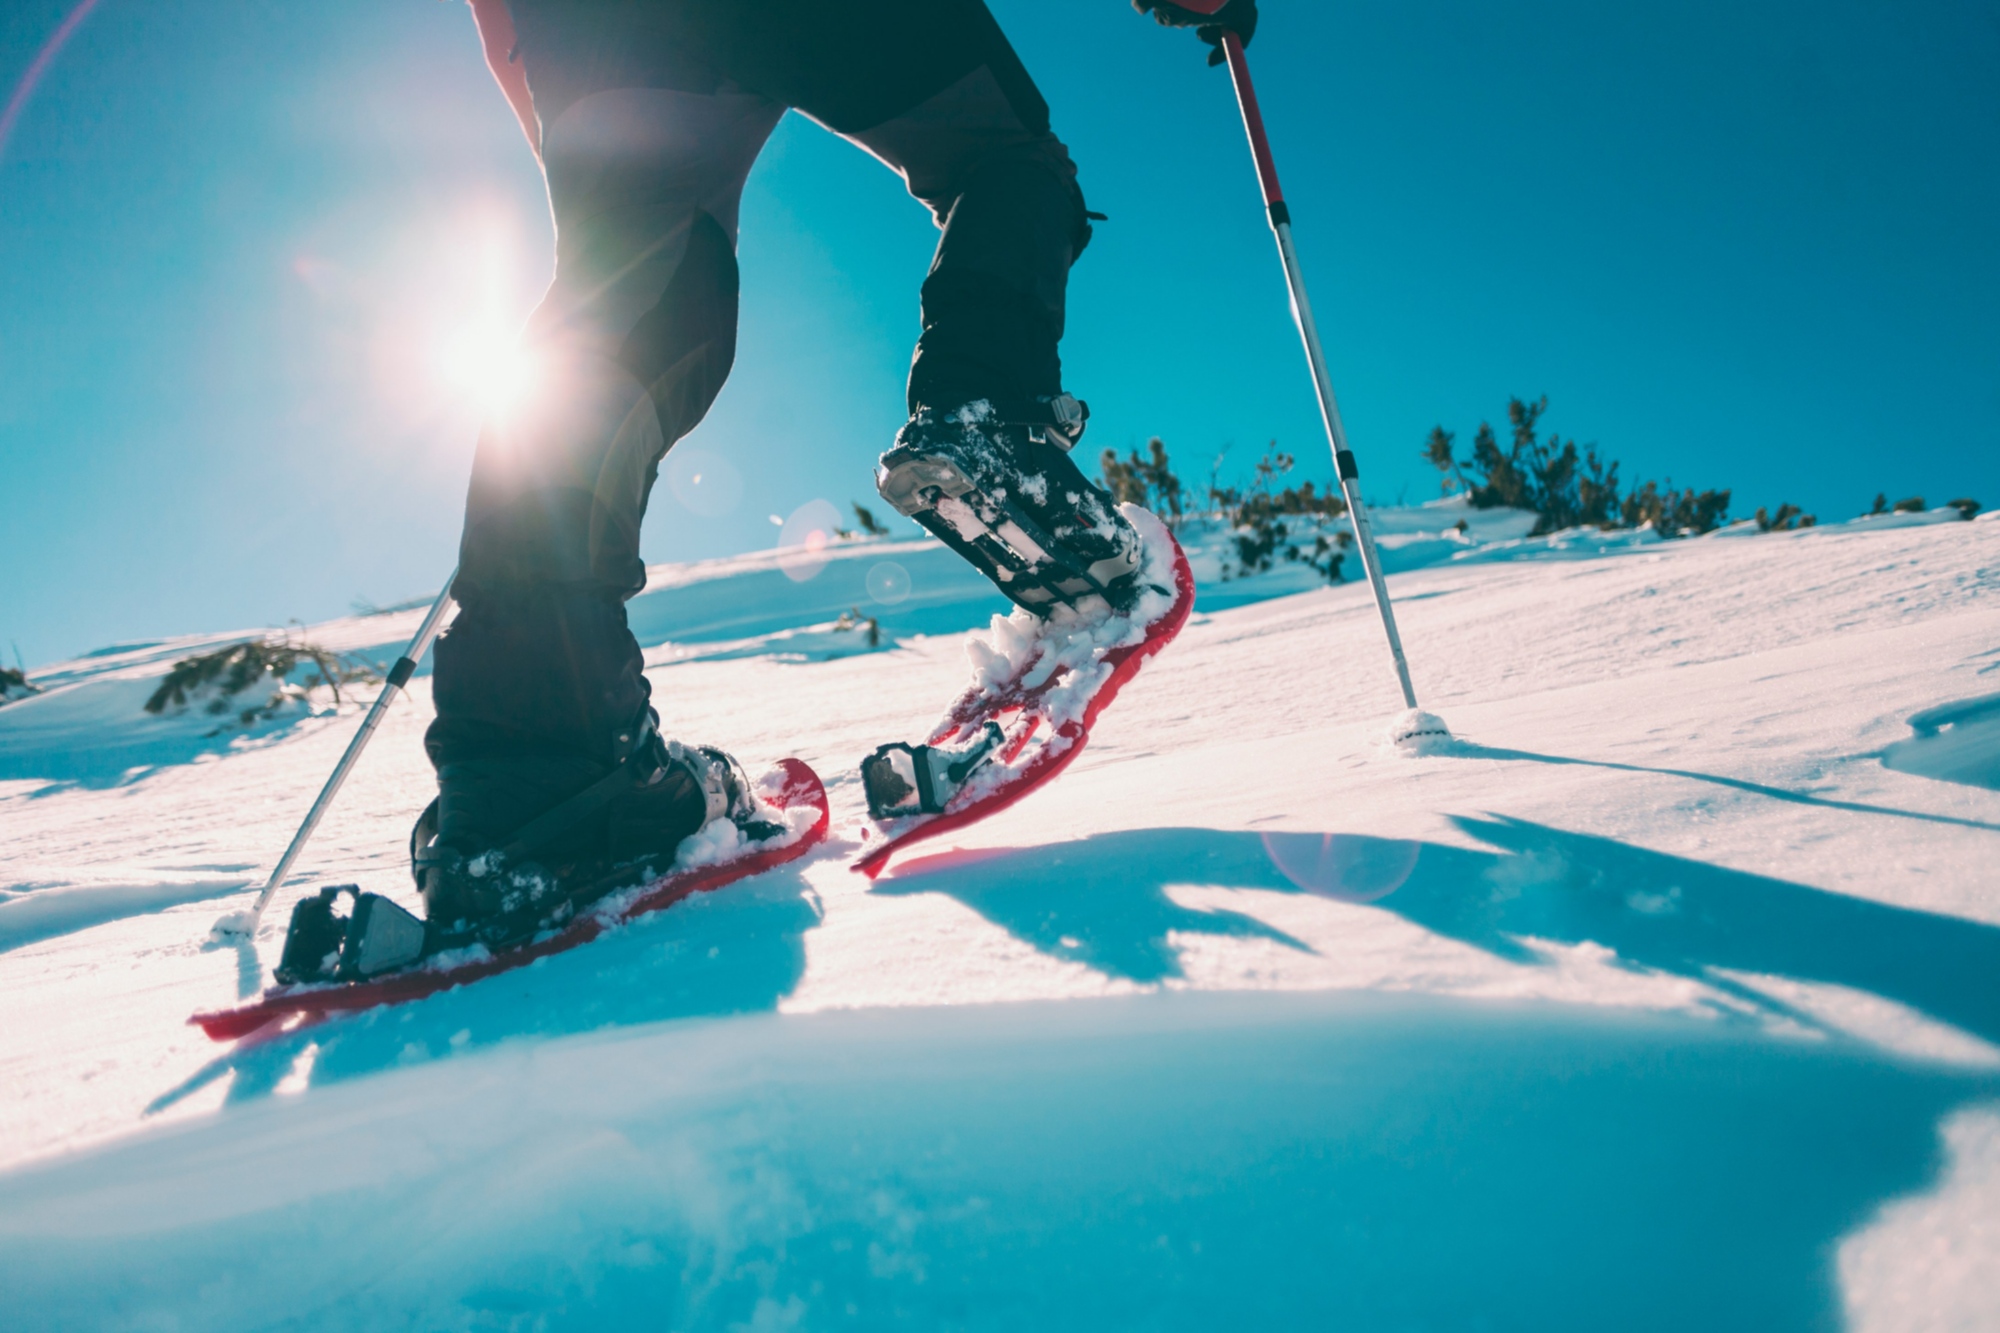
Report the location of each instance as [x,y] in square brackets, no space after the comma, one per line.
[1666,999]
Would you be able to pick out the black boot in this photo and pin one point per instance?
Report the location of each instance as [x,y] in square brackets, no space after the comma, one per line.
[998,486]
[516,846]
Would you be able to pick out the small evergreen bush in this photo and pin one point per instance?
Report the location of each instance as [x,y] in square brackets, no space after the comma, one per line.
[1789,518]
[1270,524]
[1566,487]
[1148,482]
[1967,508]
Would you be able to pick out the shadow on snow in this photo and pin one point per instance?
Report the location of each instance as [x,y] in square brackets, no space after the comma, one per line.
[1103,901]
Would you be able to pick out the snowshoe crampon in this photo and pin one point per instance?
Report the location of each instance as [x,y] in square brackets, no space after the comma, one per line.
[997,485]
[720,854]
[1038,685]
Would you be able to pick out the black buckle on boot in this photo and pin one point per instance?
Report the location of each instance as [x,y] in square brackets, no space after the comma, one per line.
[374,937]
[1066,416]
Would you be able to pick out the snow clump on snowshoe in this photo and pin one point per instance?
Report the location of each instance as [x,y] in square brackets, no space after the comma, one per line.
[1025,650]
[1035,681]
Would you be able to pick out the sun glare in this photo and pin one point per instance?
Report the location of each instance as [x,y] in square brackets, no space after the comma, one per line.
[479,356]
[484,364]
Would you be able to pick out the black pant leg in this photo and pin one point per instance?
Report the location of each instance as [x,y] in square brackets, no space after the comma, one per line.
[934,89]
[628,350]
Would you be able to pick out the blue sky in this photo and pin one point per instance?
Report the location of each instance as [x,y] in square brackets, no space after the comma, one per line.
[248,254]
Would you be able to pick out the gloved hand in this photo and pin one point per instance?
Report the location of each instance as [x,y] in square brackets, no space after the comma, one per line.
[1237,16]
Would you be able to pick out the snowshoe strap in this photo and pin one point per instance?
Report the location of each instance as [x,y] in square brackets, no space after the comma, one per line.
[714,773]
[637,771]
[1059,419]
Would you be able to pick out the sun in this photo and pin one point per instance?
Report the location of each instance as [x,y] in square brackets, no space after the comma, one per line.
[477,350]
[483,363]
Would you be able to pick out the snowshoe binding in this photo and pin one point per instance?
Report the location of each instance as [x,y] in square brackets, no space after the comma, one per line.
[375,936]
[902,779]
[996,484]
[1038,684]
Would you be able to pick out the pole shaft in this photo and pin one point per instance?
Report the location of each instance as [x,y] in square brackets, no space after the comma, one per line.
[399,676]
[1343,458]
[1253,121]
[1329,407]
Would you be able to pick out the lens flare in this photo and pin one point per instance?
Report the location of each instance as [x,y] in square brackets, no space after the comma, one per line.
[804,538]
[478,356]
[1350,867]
[25,89]
[888,583]
[706,484]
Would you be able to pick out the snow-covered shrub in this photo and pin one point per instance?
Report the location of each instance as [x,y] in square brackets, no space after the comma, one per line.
[1267,524]
[1913,505]
[854,622]
[1967,508]
[256,679]
[14,684]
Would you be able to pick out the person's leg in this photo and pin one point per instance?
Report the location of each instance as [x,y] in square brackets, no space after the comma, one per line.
[538,683]
[933,88]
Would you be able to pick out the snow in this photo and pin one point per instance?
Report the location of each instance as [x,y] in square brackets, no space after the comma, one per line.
[1661,995]
[721,839]
[1419,734]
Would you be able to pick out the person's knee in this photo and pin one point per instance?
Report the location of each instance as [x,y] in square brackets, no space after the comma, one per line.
[682,349]
[560,484]
[1027,192]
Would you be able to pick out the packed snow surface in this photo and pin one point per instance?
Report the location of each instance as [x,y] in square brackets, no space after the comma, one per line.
[1663,992]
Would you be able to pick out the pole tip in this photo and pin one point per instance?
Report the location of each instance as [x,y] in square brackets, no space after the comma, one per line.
[234,928]
[1417,733]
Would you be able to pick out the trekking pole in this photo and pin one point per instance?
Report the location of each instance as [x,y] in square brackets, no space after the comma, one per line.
[244,923]
[1414,726]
